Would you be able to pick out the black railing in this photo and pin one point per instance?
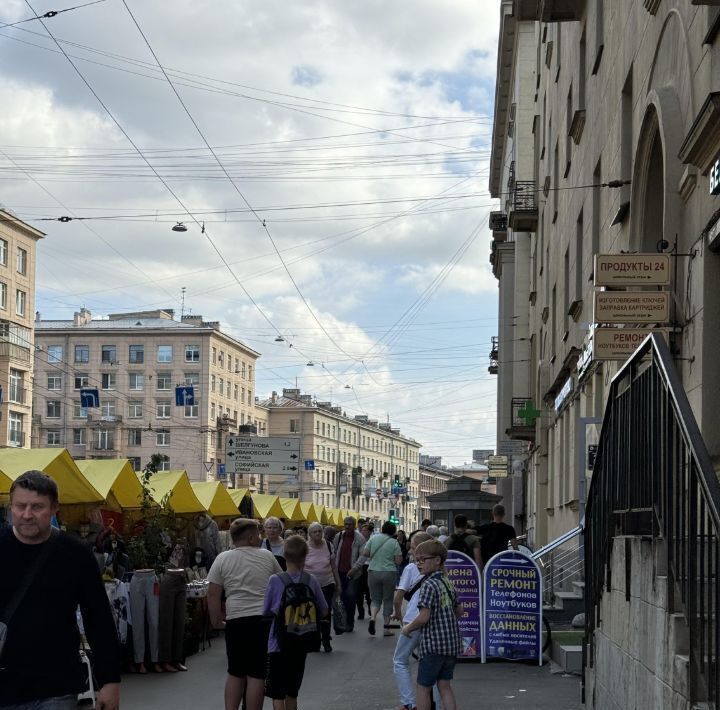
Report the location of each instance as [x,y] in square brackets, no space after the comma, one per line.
[653,475]
[524,196]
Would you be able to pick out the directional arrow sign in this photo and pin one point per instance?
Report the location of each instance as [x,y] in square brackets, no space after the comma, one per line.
[254,467]
[261,454]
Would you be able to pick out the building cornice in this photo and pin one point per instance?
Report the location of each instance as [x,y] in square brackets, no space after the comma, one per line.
[26,229]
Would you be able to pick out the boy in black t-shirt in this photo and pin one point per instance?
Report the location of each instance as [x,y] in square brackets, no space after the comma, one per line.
[494,537]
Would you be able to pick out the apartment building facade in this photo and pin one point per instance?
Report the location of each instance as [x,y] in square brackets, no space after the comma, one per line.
[136,362]
[356,462]
[18,245]
[605,145]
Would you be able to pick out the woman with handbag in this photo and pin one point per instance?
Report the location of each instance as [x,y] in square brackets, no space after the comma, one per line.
[320,562]
[385,555]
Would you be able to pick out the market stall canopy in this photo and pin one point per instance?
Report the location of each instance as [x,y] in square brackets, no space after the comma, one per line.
[172,488]
[333,516]
[113,477]
[73,487]
[215,497]
[266,506]
[237,494]
[291,509]
[5,483]
[310,513]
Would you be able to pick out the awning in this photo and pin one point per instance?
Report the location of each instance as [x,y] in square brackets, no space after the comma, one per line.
[266,506]
[173,489]
[291,509]
[334,516]
[311,513]
[113,477]
[237,494]
[58,464]
[215,497]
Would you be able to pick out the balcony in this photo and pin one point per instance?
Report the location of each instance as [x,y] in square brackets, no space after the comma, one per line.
[499,224]
[14,351]
[549,10]
[103,444]
[523,215]
[493,367]
[109,418]
[523,417]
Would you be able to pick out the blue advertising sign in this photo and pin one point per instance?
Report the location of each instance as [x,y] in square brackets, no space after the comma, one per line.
[465,576]
[512,608]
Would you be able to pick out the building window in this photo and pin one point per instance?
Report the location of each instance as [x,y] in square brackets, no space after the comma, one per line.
[3,295]
[134,437]
[192,410]
[164,465]
[249,372]
[109,381]
[82,353]
[242,371]
[78,410]
[136,463]
[212,410]
[162,438]
[137,381]
[109,354]
[192,353]
[164,381]
[236,390]
[221,386]
[3,252]
[137,354]
[212,383]
[54,382]
[54,353]
[17,391]
[54,407]
[227,389]
[107,408]
[79,437]
[104,440]
[81,380]
[294,426]
[135,409]
[192,379]
[163,409]
[164,353]
[53,437]
[213,355]
[22,261]
[16,435]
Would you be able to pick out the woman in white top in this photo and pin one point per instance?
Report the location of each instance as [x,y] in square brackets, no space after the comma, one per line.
[320,562]
[273,529]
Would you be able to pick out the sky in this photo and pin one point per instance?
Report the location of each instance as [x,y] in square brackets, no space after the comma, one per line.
[329,160]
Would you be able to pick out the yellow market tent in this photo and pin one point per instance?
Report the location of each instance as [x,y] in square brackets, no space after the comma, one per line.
[291,509]
[310,513]
[74,488]
[334,516]
[237,494]
[172,488]
[215,497]
[266,506]
[5,483]
[113,478]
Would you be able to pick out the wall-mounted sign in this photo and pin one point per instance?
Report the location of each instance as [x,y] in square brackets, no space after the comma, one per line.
[497,461]
[563,394]
[715,178]
[585,359]
[621,343]
[632,307]
[632,270]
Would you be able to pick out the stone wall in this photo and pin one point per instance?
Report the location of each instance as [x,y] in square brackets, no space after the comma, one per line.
[640,647]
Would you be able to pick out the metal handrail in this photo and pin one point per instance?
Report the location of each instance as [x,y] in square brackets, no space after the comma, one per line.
[569,535]
[653,475]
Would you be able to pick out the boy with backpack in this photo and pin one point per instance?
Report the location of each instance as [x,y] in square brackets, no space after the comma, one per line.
[295,601]
[438,615]
[462,540]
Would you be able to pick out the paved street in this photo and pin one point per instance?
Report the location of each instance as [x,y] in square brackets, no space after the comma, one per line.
[357,676]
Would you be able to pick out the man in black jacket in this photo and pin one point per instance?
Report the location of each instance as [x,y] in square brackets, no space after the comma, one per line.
[40,666]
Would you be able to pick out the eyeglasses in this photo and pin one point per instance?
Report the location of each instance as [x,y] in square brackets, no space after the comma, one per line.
[429,557]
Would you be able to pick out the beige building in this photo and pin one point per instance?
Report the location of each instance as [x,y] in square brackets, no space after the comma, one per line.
[135,361]
[18,243]
[356,461]
[605,142]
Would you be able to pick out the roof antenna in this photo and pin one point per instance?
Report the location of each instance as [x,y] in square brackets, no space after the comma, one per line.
[182,303]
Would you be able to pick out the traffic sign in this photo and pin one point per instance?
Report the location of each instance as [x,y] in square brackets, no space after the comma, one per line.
[309,464]
[263,454]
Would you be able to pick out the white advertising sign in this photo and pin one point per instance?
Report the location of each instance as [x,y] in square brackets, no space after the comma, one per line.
[632,270]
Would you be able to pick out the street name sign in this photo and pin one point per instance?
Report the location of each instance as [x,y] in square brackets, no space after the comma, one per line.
[632,307]
[263,454]
[621,343]
[632,270]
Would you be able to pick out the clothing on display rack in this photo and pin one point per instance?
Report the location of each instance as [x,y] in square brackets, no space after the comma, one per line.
[144,604]
[118,594]
[173,597]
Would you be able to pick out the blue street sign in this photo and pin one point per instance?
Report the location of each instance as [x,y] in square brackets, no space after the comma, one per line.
[309,465]
[221,471]
[512,608]
[89,398]
[184,396]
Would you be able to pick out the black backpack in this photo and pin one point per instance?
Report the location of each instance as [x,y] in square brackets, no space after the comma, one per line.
[297,625]
[457,543]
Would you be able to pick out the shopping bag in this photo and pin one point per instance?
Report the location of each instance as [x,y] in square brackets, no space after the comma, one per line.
[339,616]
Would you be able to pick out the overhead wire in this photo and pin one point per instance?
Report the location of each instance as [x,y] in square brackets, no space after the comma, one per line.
[50,14]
